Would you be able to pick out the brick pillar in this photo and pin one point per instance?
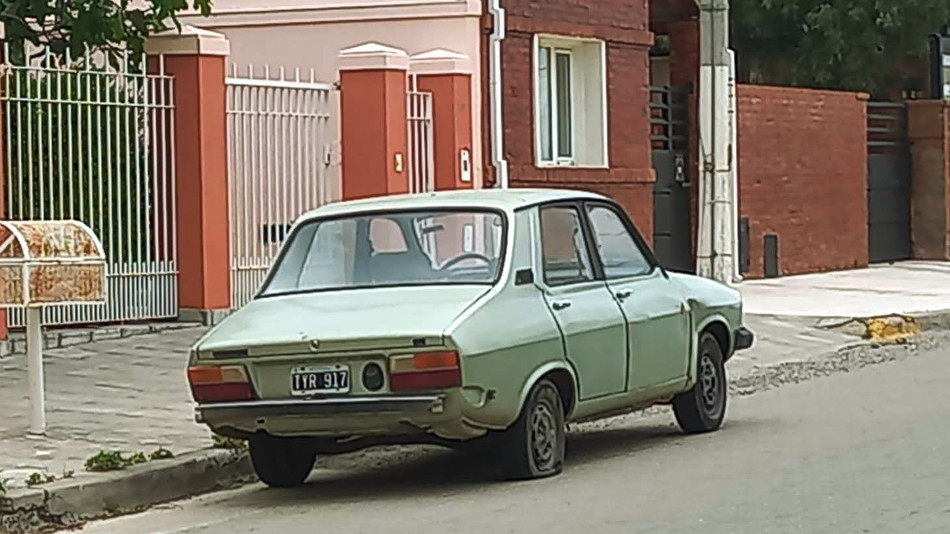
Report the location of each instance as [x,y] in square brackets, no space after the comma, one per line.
[3,181]
[373,127]
[196,59]
[448,76]
[929,131]
[684,71]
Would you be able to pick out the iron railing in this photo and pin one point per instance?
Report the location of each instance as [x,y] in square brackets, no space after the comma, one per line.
[669,118]
[421,151]
[279,163]
[92,138]
[887,127]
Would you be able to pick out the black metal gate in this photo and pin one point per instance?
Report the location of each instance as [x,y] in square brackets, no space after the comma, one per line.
[672,235]
[889,183]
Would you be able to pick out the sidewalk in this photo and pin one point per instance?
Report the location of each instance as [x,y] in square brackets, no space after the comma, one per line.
[131,394]
[913,287]
[790,315]
[124,394]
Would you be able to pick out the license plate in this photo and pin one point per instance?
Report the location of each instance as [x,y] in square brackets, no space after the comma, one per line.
[313,380]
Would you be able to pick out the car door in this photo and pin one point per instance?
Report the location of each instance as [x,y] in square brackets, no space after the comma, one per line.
[659,330]
[590,320]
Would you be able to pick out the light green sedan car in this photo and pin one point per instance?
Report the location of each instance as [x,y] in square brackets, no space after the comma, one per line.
[489,317]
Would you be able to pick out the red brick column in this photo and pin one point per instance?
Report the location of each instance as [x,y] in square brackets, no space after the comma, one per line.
[373,129]
[448,76]
[196,59]
[929,130]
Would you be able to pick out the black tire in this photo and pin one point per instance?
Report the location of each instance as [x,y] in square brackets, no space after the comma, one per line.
[534,446]
[703,408]
[282,462]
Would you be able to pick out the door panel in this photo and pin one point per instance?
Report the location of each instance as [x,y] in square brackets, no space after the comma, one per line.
[594,337]
[593,326]
[658,328]
[658,325]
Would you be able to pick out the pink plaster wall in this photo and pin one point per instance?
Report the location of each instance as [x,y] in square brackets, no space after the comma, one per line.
[309,34]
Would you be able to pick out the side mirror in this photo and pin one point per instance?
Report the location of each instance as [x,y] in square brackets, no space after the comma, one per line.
[524,277]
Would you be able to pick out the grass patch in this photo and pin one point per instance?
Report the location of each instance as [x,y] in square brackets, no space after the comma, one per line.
[38,479]
[221,442]
[115,461]
[161,454]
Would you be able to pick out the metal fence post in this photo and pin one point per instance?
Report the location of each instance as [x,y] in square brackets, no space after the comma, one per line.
[34,355]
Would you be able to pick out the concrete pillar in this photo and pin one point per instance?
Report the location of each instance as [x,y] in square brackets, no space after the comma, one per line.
[196,59]
[3,181]
[448,76]
[929,132]
[373,128]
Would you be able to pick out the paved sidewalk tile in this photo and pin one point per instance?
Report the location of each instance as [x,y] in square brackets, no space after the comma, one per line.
[125,394]
[911,287]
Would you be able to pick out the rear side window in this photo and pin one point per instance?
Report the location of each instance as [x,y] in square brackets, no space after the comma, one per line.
[619,253]
[564,249]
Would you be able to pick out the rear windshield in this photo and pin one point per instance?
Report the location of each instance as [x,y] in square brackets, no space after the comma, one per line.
[391,249]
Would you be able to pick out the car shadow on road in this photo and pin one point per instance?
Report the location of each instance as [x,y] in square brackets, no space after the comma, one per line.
[396,473]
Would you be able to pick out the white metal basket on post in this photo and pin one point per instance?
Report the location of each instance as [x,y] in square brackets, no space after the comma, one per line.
[45,263]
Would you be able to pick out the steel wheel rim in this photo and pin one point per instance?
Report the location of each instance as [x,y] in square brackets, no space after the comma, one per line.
[710,385]
[543,436]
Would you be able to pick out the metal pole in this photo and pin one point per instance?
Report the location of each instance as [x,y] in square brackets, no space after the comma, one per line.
[34,355]
[713,163]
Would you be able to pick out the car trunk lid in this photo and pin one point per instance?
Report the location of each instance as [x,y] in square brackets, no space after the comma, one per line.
[341,321]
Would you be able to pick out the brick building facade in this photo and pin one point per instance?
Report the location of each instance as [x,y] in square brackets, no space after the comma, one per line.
[606,43]
[803,177]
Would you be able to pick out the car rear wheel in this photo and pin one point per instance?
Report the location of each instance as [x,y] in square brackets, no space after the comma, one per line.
[703,408]
[282,462]
[534,446]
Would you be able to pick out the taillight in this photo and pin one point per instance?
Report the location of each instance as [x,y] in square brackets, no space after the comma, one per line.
[220,384]
[427,370]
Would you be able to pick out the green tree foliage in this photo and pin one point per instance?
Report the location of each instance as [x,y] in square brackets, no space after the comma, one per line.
[844,44]
[78,25]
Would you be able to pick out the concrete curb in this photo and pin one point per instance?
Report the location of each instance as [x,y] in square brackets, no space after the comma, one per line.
[861,352]
[936,320]
[71,502]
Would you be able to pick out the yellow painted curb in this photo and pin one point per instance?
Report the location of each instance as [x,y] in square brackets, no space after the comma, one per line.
[891,329]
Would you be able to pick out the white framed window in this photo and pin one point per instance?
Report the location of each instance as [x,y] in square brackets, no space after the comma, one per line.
[570,102]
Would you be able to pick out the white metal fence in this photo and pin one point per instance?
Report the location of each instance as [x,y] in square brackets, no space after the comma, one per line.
[93,140]
[421,151]
[279,160]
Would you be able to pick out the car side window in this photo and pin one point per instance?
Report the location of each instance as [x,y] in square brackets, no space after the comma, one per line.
[619,252]
[563,247]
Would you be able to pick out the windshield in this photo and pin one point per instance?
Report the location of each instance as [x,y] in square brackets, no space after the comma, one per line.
[391,249]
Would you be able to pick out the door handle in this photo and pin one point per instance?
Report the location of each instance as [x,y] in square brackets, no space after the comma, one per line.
[561,305]
[624,294]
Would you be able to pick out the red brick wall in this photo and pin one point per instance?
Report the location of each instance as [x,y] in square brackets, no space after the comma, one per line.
[803,176]
[623,25]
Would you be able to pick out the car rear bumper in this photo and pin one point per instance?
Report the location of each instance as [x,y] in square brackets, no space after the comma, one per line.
[375,405]
[342,417]
[744,338]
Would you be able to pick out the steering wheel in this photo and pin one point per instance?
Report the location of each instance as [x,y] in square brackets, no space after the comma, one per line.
[465,256]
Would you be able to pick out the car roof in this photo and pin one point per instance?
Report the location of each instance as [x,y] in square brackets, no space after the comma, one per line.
[499,199]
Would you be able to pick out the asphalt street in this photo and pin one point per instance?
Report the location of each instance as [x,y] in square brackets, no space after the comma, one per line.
[865,452]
